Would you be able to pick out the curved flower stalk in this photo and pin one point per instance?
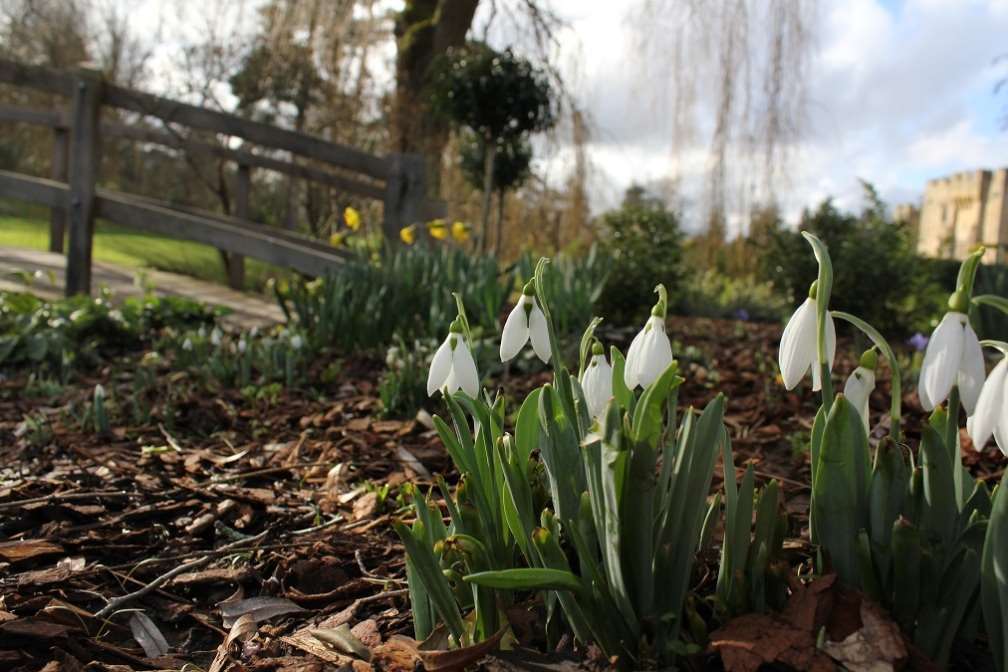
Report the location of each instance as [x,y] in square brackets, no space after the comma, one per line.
[650,351]
[895,382]
[452,367]
[799,350]
[597,381]
[953,357]
[990,417]
[860,384]
[525,323]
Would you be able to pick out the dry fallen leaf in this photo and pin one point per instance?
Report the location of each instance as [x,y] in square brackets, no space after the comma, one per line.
[877,647]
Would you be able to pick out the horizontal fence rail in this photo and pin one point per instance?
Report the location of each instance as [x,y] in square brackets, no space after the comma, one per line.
[398,180]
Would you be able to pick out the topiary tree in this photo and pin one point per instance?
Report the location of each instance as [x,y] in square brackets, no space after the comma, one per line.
[511,167]
[498,96]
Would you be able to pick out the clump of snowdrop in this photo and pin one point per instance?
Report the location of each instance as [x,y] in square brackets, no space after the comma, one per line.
[953,358]
[799,345]
[596,381]
[525,323]
[650,351]
[452,367]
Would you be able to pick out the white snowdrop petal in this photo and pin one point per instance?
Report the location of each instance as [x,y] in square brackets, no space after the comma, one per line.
[440,368]
[539,333]
[971,370]
[941,360]
[990,407]
[464,369]
[633,355]
[798,344]
[516,331]
[858,389]
[597,385]
[656,355]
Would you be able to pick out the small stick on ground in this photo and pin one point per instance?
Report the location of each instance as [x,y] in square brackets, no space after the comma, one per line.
[118,603]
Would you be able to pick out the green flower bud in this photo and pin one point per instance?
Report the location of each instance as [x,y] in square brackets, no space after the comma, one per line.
[869,359]
[529,288]
[813,289]
[958,302]
[597,348]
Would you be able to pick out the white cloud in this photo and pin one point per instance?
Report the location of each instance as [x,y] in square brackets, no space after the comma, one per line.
[899,92]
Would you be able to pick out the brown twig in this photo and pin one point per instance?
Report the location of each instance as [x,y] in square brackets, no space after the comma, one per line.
[66,497]
[119,602]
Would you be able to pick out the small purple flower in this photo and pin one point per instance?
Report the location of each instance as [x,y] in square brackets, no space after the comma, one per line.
[918,341]
[742,314]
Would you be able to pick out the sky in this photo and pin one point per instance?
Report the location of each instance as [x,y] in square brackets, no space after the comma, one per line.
[899,92]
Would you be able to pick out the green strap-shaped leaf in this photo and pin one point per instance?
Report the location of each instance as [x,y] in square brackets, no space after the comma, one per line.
[939,486]
[428,570]
[840,489]
[994,578]
[526,578]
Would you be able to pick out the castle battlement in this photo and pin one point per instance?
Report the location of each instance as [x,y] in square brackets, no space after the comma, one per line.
[960,211]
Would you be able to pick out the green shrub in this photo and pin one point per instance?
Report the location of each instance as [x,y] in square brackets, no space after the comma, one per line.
[60,336]
[643,247]
[711,294]
[882,280]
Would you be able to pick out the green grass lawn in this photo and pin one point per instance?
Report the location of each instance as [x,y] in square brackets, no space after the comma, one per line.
[118,245]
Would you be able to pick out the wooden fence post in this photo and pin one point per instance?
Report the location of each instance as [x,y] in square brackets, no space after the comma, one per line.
[405,194]
[236,262]
[57,216]
[82,176]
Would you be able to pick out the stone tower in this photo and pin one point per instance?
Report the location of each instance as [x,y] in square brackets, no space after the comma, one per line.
[962,210]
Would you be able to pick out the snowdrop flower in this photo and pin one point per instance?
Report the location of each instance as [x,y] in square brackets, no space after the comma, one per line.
[596,382]
[452,366]
[860,384]
[296,341]
[215,337]
[799,346]
[187,345]
[242,345]
[525,323]
[991,415]
[953,357]
[650,351]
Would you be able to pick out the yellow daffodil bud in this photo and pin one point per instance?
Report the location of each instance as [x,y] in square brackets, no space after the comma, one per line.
[352,218]
[437,229]
[337,239]
[460,231]
[408,234]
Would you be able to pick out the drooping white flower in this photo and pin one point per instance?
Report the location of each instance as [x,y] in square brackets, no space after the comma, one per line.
[990,416]
[799,350]
[953,357]
[596,382]
[242,345]
[453,367]
[649,355]
[860,384]
[187,345]
[296,341]
[216,337]
[525,323]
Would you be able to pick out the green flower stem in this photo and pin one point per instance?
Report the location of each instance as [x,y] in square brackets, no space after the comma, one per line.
[824,286]
[560,375]
[895,409]
[952,426]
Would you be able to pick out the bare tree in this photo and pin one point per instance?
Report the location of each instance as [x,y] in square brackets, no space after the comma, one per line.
[753,56]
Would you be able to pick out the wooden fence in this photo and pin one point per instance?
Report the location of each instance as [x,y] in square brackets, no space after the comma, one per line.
[75,199]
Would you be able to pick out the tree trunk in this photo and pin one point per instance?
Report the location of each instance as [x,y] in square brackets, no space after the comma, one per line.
[488,171]
[499,237]
[424,30]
